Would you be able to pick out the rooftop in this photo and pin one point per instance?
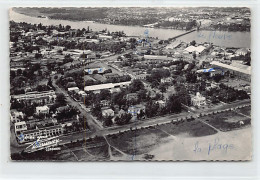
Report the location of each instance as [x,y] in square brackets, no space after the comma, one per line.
[243,68]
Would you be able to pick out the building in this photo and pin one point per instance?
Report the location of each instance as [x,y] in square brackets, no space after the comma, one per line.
[136,109]
[104,103]
[239,70]
[161,58]
[16,116]
[47,96]
[104,37]
[98,70]
[132,97]
[73,89]
[42,110]
[198,100]
[62,108]
[109,86]
[106,112]
[198,50]
[140,76]
[167,80]
[242,51]
[82,93]
[20,127]
[46,131]
[173,45]
[161,103]
[111,75]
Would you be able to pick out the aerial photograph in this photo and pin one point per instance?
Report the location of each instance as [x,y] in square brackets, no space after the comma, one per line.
[130,84]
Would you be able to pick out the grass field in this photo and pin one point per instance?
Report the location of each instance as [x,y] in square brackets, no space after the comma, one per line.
[227,121]
[245,110]
[192,129]
[143,140]
[137,142]
[141,143]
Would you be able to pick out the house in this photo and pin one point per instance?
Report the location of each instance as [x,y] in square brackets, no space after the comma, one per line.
[62,108]
[111,75]
[107,112]
[134,110]
[91,56]
[20,127]
[198,100]
[161,103]
[73,89]
[104,103]
[82,93]
[132,96]
[33,123]
[140,76]
[120,113]
[42,110]
[98,70]
[167,80]
[16,116]
[242,51]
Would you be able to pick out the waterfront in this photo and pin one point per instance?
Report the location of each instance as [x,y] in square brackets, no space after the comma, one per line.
[237,39]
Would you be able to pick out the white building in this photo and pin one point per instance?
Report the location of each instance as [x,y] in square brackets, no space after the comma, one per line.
[198,50]
[36,96]
[19,127]
[198,100]
[99,70]
[107,112]
[167,80]
[73,89]
[109,86]
[104,37]
[16,116]
[42,110]
[134,110]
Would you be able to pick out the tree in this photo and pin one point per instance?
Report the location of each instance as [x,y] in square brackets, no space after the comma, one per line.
[108,121]
[61,99]
[19,71]
[124,119]
[38,55]
[194,55]
[95,72]
[174,104]
[141,114]
[12,74]
[162,88]
[67,28]
[151,109]
[193,43]
[136,85]
[105,94]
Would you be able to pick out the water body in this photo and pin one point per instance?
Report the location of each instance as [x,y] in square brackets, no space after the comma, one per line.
[236,39]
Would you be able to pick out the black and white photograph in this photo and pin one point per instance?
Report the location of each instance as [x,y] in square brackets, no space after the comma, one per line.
[130,84]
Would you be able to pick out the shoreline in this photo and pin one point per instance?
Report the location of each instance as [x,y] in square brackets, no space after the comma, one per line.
[92,21]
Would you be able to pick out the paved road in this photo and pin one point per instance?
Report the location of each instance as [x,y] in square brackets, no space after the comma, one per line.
[150,122]
[89,119]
